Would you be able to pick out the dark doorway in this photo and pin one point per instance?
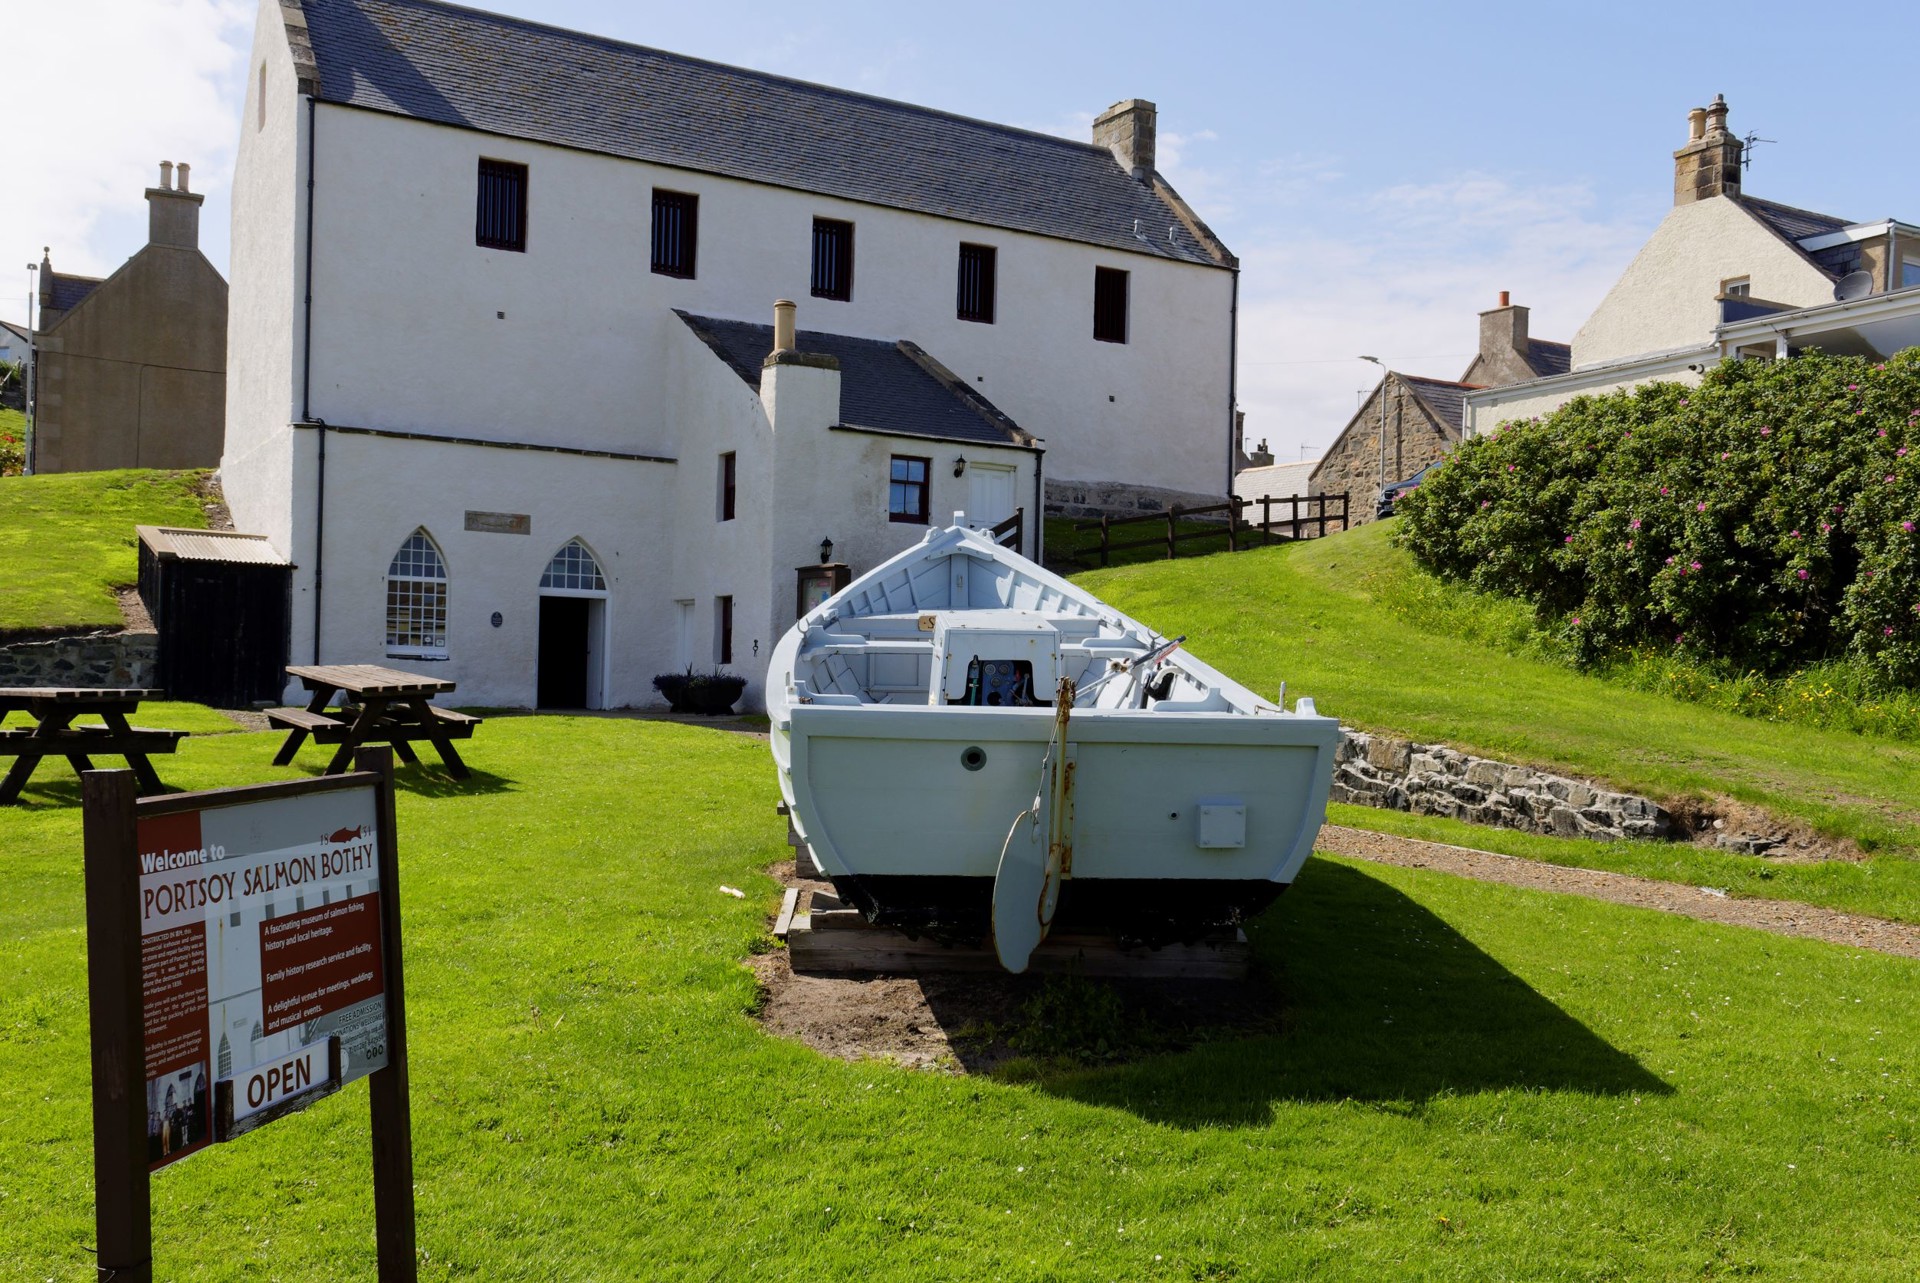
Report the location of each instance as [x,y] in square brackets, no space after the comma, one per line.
[564,651]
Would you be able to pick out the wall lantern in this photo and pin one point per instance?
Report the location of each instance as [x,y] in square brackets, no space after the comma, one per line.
[960,465]
[826,551]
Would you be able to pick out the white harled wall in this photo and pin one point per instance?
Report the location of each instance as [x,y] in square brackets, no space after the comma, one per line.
[408,335]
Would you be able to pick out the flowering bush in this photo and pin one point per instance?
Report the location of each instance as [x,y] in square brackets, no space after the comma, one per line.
[1766,518]
[13,447]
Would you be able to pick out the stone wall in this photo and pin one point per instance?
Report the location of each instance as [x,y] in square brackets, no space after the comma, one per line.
[94,659]
[1352,464]
[1432,779]
[1119,499]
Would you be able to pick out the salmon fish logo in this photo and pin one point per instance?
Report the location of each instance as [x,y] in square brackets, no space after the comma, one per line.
[339,836]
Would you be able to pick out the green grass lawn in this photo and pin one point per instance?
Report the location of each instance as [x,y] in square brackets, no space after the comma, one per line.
[1471,1081]
[67,541]
[1344,619]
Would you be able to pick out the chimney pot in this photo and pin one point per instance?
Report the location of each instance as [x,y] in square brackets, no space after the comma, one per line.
[1504,300]
[1717,116]
[1696,124]
[183,177]
[166,175]
[783,327]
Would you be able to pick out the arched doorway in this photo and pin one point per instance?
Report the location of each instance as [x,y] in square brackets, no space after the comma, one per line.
[573,631]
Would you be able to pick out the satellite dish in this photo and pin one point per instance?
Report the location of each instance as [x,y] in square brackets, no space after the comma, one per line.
[1852,286]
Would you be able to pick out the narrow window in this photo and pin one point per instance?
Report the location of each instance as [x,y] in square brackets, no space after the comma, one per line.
[502,219]
[723,630]
[726,486]
[417,600]
[832,259]
[1109,305]
[676,232]
[907,489]
[1909,272]
[975,294]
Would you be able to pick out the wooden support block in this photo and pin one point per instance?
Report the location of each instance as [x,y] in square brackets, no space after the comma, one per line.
[838,941]
[788,903]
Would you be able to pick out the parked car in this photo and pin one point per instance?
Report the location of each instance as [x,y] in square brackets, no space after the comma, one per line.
[1390,494]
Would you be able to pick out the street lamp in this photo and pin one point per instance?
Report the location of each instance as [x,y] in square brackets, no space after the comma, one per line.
[1384,372]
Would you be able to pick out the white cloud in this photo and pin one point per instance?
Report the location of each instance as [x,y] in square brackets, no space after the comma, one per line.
[101,91]
[1400,273]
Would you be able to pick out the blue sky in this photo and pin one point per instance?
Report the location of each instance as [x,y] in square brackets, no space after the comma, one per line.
[1383,170]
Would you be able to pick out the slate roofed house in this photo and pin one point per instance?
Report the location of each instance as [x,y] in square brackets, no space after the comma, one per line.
[530,367]
[1425,417]
[130,370]
[1728,275]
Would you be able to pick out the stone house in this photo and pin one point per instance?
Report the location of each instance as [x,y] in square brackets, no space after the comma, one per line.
[131,370]
[427,197]
[1424,417]
[1726,276]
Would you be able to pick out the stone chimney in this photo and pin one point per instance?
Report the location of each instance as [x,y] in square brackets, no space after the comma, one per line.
[173,212]
[1709,165]
[1126,129]
[1503,333]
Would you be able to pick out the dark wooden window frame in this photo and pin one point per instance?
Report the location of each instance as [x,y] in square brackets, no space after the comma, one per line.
[676,233]
[833,259]
[1110,286]
[729,479]
[922,486]
[975,290]
[723,628]
[500,206]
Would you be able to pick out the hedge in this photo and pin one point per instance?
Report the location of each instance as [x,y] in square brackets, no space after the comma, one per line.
[1766,517]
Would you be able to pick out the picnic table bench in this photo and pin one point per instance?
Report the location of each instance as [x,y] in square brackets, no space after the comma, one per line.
[378,706]
[53,734]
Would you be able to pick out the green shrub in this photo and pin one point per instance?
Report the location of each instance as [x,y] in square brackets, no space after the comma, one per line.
[13,443]
[1766,518]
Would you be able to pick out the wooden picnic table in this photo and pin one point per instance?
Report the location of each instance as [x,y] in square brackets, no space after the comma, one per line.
[378,706]
[53,734]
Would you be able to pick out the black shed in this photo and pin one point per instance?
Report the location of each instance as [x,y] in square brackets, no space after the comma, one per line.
[222,604]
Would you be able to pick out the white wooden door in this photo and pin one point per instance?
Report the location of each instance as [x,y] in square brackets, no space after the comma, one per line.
[990,498]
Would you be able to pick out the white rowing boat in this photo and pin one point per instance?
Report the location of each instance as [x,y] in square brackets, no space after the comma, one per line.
[969,744]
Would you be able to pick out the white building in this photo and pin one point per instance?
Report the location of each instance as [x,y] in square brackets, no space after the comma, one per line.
[500,376]
[1726,276]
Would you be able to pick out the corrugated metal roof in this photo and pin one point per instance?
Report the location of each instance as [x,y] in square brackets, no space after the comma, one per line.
[522,79]
[170,542]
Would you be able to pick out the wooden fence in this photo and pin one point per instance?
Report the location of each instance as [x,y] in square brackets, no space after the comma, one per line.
[1305,517]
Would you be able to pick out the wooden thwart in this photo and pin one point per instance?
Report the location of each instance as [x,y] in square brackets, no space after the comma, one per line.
[831,939]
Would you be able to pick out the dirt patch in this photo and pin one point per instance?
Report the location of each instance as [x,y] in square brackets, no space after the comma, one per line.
[1725,824]
[974,1023]
[1783,917]
[213,502]
[133,611]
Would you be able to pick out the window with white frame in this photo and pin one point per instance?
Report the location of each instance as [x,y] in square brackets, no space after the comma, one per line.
[1909,272]
[573,570]
[1737,287]
[417,600]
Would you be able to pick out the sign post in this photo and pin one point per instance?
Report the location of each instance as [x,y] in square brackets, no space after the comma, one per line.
[243,962]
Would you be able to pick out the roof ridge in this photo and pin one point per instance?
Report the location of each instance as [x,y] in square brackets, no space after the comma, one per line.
[589,37]
[1451,383]
[1550,342]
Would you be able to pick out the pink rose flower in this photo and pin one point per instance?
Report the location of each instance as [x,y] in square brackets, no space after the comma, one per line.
[1802,574]
[1766,432]
[1696,565]
[1634,524]
[1794,535]
[1699,507]
[1907,526]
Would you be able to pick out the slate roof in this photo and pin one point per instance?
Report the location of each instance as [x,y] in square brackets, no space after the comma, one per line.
[888,387]
[1547,358]
[502,75]
[1794,224]
[69,290]
[1447,400]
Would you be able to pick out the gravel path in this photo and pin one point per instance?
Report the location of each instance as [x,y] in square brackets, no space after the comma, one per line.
[1783,917]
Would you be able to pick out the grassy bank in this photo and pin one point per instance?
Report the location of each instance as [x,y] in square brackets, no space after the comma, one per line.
[1343,619]
[67,541]
[1473,1081]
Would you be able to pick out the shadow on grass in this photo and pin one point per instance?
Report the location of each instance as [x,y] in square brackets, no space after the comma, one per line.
[1379,1001]
[57,787]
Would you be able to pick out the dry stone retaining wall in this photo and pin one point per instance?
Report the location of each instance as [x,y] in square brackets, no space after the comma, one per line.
[1432,779]
[95,659]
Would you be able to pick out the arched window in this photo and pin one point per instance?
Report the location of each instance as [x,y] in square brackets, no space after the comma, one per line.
[573,571]
[417,600]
